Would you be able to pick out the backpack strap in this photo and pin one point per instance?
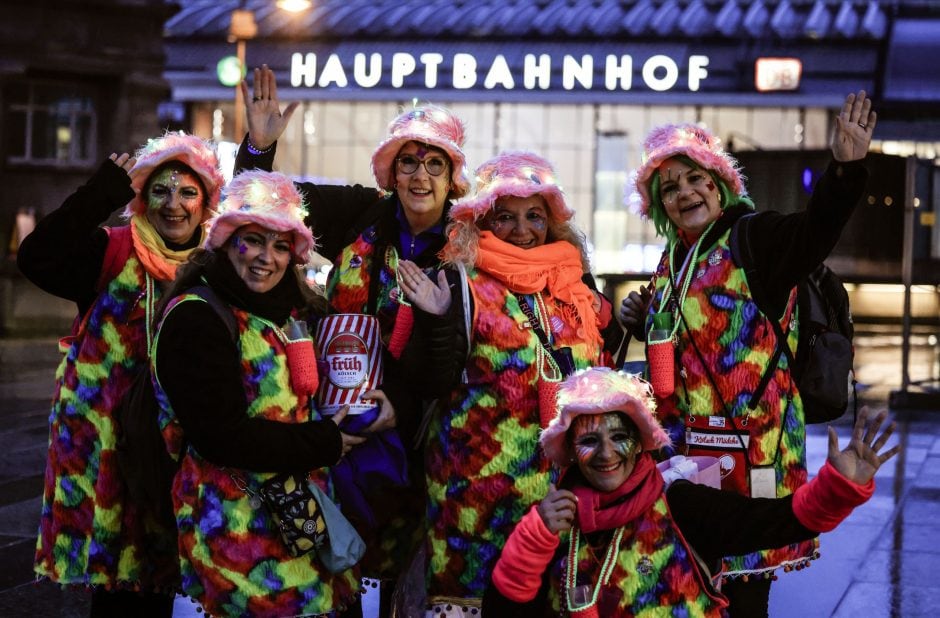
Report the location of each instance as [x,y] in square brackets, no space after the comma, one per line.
[467,318]
[222,310]
[120,243]
[740,244]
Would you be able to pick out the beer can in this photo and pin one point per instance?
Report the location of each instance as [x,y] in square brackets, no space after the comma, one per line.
[350,348]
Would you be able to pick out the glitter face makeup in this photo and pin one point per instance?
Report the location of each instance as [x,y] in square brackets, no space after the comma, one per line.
[689,195]
[260,256]
[520,221]
[175,200]
[605,448]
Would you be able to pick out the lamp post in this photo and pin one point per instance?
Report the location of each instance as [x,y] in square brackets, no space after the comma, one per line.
[242,28]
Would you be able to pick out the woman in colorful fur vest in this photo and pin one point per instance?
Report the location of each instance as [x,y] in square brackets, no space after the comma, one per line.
[521,319]
[419,167]
[710,335]
[88,533]
[612,541]
[236,408]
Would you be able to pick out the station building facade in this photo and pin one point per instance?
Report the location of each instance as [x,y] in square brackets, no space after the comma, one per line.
[580,82]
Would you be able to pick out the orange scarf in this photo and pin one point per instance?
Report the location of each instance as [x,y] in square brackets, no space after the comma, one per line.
[158,260]
[554,269]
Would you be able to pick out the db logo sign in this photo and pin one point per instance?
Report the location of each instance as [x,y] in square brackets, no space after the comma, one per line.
[348,358]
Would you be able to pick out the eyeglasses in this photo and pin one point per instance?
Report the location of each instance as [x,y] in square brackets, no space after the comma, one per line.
[408,164]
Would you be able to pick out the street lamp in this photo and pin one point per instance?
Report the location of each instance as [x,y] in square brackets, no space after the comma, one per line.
[242,28]
[294,6]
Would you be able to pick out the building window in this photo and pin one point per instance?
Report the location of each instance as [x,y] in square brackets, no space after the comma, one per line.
[623,241]
[50,124]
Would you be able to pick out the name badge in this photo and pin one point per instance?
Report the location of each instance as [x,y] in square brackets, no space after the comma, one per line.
[763,482]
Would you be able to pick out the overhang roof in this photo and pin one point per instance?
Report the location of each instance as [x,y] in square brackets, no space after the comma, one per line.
[541,19]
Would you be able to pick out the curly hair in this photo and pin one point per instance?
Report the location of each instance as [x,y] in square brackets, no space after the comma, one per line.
[463,240]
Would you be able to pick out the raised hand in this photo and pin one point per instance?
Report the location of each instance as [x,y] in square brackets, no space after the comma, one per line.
[557,509]
[633,311]
[125,162]
[860,459]
[430,297]
[854,127]
[386,418]
[349,440]
[266,122]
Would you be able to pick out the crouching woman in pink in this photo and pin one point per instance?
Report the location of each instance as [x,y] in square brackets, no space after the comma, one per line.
[613,541]
[236,412]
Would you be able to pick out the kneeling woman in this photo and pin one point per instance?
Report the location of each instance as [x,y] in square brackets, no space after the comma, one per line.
[613,541]
[230,413]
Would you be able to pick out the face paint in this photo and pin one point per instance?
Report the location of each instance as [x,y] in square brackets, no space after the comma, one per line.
[169,183]
[611,424]
[689,195]
[239,244]
[520,221]
[175,199]
[422,151]
[260,256]
[605,449]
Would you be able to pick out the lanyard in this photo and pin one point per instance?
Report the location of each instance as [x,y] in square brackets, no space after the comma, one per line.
[683,278]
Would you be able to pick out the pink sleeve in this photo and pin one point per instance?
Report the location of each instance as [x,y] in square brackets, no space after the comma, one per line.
[824,502]
[518,573]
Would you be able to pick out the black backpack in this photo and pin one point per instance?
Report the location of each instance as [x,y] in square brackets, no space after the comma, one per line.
[145,464]
[822,367]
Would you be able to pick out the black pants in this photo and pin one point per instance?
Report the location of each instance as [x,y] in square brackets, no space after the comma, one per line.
[748,599]
[124,603]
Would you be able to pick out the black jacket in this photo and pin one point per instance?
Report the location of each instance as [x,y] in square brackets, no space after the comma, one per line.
[715,523]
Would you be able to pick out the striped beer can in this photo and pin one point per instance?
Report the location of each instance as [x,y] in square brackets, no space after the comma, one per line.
[350,348]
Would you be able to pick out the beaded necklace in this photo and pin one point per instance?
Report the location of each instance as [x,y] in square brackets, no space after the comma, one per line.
[588,609]
[683,277]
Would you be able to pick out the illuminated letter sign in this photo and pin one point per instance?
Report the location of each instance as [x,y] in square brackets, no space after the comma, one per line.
[577,72]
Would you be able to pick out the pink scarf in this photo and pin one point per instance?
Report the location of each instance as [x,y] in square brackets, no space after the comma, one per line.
[608,510]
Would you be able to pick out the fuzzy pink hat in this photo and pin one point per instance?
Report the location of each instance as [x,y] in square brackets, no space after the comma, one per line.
[597,391]
[428,124]
[691,140]
[269,199]
[516,173]
[190,150]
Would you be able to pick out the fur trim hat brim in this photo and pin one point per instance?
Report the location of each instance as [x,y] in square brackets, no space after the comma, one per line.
[195,153]
[600,390]
[430,125]
[517,174]
[268,199]
[691,140]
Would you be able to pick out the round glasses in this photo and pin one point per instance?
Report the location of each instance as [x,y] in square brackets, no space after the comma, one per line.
[408,164]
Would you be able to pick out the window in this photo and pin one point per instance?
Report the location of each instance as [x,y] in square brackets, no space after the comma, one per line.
[623,241]
[50,123]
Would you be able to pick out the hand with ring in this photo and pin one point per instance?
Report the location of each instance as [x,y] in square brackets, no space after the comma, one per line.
[430,297]
[266,122]
[855,125]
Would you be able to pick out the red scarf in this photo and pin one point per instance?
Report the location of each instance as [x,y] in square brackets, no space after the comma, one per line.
[554,269]
[608,510]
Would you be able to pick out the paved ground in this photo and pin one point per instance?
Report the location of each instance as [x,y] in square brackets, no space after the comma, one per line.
[881,562]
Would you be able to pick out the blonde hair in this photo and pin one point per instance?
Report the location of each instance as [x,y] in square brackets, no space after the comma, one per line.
[463,241]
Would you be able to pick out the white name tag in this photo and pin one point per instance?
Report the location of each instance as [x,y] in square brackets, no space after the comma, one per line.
[763,482]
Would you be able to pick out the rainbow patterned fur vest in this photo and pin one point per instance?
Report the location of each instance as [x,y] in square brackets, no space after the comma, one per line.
[350,288]
[87,534]
[654,570]
[736,340]
[483,467]
[232,558]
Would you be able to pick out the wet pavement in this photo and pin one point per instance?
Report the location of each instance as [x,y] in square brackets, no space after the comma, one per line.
[881,562]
